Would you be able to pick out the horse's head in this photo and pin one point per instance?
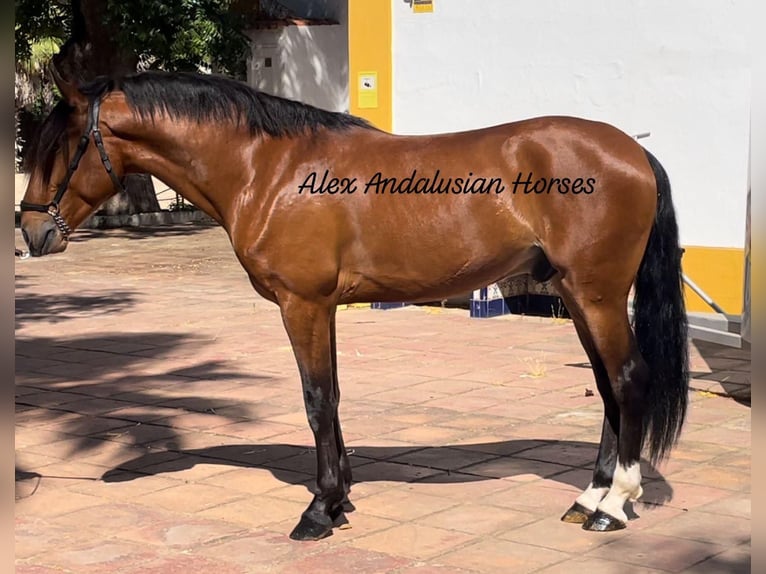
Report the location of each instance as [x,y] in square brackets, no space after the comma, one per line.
[72,170]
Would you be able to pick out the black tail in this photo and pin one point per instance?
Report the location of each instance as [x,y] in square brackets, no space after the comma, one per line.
[659,315]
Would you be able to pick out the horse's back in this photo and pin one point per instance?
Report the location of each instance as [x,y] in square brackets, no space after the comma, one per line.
[375,215]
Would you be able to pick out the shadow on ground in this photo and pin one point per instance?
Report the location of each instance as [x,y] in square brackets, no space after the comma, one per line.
[105,386]
[57,308]
[738,562]
[730,367]
[293,464]
[147,232]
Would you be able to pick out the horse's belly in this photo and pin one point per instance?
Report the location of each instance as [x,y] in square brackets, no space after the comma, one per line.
[430,274]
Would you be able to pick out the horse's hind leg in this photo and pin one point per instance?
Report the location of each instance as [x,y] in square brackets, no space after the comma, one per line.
[585,504]
[604,310]
[308,326]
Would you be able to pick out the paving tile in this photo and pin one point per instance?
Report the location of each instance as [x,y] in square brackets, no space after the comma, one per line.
[253,481]
[38,569]
[686,496]
[733,561]
[654,551]
[105,556]
[478,519]
[124,486]
[48,503]
[403,504]
[256,551]
[345,559]
[462,487]
[87,426]
[420,567]
[562,453]
[35,437]
[492,555]
[37,536]
[515,469]
[720,476]
[190,498]
[413,541]
[176,564]
[257,430]
[736,505]
[173,532]
[443,458]
[393,472]
[174,441]
[535,497]
[252,511]
[499,444]
[597,566]
[557,535]
[705,527]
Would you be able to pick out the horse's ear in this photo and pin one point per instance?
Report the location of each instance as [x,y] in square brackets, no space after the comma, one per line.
[68,88]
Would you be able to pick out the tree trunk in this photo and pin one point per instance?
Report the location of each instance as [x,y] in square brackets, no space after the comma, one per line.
[140,197]
[91,52]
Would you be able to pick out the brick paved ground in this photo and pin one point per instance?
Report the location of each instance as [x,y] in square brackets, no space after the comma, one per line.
[160,429]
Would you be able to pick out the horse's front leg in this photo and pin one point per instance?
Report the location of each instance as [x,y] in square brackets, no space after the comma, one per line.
[308,325]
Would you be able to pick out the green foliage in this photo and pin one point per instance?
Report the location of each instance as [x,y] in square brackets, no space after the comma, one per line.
[38,20]
[172,35]
[182,34]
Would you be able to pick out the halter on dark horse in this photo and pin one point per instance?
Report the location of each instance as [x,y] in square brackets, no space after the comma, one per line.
[53,208]
[598,220]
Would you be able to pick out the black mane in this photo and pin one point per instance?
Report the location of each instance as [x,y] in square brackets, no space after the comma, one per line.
[197,97]
[47,142]
[205,98]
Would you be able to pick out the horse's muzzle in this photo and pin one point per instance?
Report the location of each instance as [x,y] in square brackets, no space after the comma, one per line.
[43,237]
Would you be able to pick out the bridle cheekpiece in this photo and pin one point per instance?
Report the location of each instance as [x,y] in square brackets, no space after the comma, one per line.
[52,208]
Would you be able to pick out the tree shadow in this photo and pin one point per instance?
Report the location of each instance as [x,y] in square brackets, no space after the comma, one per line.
[106,387]
[57,308]
[295,464]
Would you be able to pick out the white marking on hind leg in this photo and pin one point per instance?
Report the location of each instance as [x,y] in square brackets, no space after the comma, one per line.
[626,485]
[591,496]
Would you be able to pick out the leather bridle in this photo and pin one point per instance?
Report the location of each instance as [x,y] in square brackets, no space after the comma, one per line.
[52,208]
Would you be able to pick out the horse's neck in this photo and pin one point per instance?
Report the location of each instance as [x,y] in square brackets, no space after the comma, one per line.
[193,161]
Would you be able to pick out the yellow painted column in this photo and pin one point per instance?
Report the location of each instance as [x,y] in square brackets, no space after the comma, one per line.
[719,272]
[369,61]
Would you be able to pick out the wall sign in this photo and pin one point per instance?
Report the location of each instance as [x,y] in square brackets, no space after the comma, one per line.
[368,90]
[422,6]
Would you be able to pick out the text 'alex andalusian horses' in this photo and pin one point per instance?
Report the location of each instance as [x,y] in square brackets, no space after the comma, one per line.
[323,209]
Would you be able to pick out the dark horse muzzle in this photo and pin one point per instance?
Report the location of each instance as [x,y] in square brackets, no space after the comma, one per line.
[41,239]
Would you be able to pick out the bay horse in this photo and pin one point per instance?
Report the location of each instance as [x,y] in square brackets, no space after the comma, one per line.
[324,209]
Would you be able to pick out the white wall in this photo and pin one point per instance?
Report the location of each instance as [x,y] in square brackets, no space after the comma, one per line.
[309,64]
[679,69]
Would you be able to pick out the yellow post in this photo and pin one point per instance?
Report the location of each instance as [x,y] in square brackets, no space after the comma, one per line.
[369,61]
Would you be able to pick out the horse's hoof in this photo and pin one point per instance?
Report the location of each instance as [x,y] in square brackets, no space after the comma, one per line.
[577,514]
[340,521]
[600,521]
[310,529]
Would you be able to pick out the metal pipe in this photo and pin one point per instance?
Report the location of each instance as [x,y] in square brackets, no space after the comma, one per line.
[704,296]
